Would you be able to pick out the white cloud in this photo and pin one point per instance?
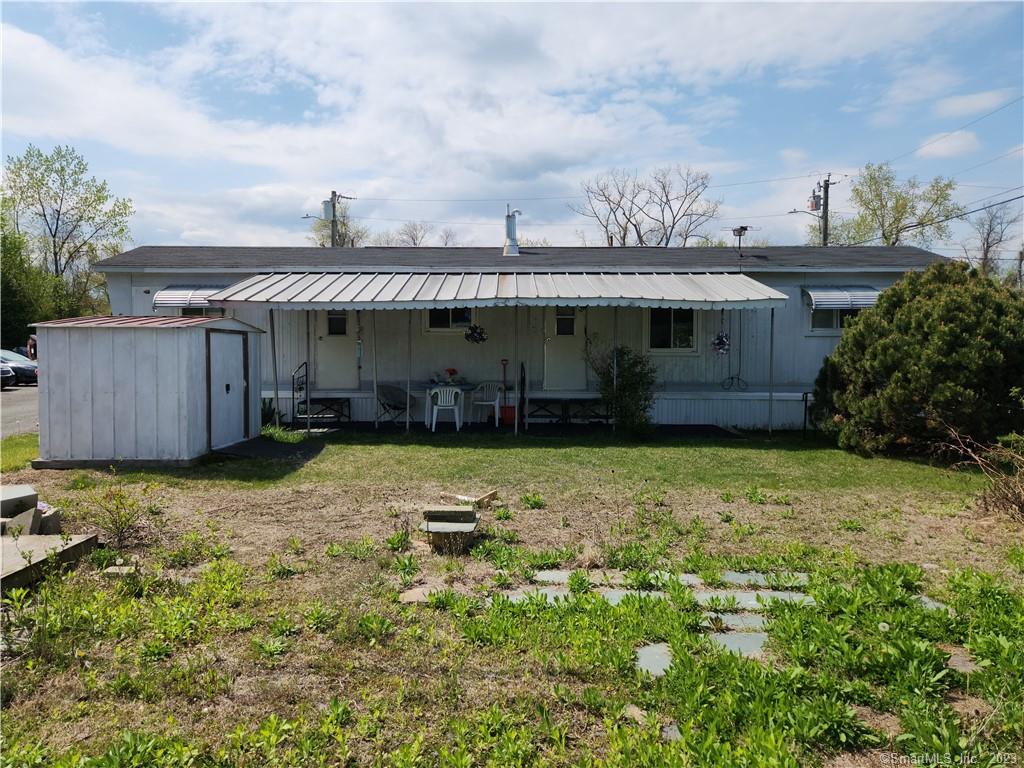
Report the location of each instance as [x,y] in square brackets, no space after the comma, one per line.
[952,144]
[446,101]
[972,103]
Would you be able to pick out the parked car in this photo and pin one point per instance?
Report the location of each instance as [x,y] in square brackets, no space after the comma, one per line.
[7,377]
[25,371]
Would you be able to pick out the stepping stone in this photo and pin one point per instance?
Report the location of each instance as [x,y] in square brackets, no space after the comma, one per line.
[670,732]
[616,596]
[748,600]
[930,604]
[549,593]
[742,578]
[960,659]
[654,659]
[687,579]
[555,576]
[415,595]
[747,644]
[740,621]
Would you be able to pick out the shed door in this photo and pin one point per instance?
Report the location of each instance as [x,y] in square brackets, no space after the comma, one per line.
[565,366]
[227,389]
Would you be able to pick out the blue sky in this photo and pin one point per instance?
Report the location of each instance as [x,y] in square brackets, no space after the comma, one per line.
[226,122]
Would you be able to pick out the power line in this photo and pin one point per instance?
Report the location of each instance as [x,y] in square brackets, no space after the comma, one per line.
[995,194]
[988,162]
[947,134]
[942,221]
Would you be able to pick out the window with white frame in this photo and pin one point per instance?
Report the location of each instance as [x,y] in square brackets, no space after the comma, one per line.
[457,319]
[831,319]
[672,330]
[565,321]
[337,322]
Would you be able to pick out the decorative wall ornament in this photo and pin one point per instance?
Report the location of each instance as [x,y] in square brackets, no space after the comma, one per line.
[721,343]
[476,334]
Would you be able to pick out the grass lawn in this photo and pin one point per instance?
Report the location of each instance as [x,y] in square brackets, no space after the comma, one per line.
[17,451]
[264,625]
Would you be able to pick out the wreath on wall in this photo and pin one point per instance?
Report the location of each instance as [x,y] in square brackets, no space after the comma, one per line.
[476,334]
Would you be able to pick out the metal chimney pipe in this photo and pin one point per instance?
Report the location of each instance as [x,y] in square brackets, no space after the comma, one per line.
[511,243]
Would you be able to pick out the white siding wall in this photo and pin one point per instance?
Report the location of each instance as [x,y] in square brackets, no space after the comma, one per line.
[129,393]
[798,352]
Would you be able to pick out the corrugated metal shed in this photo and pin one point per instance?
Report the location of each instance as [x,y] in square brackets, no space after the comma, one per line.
[185,258]
[187,296]
[849,297]
[405,290]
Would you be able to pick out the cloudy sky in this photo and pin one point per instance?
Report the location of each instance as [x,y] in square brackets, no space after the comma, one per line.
[226,122]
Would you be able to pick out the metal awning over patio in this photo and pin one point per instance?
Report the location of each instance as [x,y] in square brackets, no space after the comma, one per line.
[849,297]
[185,296]
[440,290]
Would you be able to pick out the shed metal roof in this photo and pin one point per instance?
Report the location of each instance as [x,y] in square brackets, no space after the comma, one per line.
[154,322]
[553,259]
[437,290]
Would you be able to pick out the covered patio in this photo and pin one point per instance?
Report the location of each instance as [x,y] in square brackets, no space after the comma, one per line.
[350,334]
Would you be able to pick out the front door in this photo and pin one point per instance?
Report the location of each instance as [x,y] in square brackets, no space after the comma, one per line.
[565,365]
[337,363]
[227,389]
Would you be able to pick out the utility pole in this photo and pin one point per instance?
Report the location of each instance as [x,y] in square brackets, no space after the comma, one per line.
[819,202]
[331,214]
[824,209]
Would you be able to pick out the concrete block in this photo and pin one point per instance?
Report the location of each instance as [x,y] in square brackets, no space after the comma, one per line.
[118,571]
[50,522]
[448,514]
[26,523]
[15,499]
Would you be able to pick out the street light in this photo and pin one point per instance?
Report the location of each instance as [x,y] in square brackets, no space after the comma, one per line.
[817,216]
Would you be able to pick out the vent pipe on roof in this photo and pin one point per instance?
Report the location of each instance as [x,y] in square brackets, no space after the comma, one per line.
[511,244]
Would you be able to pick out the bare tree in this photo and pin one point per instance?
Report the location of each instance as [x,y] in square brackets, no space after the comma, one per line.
[992,227]
[534,242]
[386,238]
[414,233]
[448,238]
[665,208]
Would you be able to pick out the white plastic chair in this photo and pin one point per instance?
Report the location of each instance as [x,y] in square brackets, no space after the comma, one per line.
[447,398]
[486,395]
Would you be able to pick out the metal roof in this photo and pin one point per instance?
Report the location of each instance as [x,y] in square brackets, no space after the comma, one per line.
[188,296]
[435,290]
[838,297]
[154,322]
[552,259]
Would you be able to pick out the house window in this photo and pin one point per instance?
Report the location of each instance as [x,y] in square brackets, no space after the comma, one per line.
[831,319]
[565,321]
[337,322]
[202,311]
[449,319]
[673,329]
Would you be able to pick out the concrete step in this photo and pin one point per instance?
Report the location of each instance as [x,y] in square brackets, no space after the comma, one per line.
[15,499]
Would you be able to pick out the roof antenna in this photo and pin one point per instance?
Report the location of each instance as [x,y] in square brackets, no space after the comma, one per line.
[511,244]
[738,233]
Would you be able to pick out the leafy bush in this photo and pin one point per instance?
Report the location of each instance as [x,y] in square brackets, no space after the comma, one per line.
[118,511]
[626,380]
[532,501]
[941,349]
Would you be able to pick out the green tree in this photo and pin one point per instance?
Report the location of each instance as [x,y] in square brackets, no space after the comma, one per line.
[69,220]
[26,290]
[893,212]
[942,348]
